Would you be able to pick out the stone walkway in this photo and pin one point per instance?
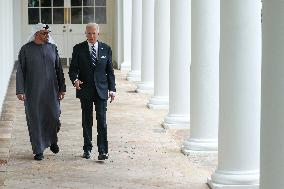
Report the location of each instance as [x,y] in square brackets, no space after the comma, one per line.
[142,154]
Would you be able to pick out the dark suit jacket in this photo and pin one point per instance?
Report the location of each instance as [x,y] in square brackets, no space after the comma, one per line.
[100,77]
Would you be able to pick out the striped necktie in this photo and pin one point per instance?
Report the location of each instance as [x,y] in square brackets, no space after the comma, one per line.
[94,55]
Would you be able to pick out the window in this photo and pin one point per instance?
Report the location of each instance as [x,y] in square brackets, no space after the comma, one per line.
[54,12]
[46,11]
[85,11]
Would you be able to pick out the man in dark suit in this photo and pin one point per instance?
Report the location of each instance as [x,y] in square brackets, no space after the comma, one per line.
[92,74]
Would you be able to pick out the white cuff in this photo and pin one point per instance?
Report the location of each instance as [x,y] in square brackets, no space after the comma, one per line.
[111,93]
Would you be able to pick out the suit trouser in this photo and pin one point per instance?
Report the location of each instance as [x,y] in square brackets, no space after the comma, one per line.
[87,123]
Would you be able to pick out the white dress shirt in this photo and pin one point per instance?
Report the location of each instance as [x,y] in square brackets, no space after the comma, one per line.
[96,47]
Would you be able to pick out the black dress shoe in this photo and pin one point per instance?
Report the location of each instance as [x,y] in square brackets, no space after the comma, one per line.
[103,156]
[54,148]
[87,154]
[39,157]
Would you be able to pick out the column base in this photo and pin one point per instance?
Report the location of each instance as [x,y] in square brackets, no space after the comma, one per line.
[134,76]
[234,180]
[176,122]
[125,66]
[145,87]
[158,102]
[193,146]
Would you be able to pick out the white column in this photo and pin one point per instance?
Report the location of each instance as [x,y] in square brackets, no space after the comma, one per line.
[2,65]
[118,34]
[6,47]
[162,51]
[147,59]
[136,39]
[127,22]
[239,116]
[180,58]
[272,103]
[204,81]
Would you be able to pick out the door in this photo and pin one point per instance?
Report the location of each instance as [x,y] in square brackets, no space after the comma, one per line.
[83,12]
[67,19]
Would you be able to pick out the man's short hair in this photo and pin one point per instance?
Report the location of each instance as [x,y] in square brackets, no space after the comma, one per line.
[93,25]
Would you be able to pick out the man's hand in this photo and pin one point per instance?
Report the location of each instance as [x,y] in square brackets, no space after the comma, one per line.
[61,95]
[77,84]
[21,97]
[111,95]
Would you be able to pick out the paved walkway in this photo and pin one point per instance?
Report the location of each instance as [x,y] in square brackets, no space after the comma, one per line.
[142,154]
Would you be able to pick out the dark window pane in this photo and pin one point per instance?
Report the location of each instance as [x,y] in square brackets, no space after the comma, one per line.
[76,15]
[88,15]
[76,2]
[58,3]
[45,3]
[46,16]
[58,16]
[100,2]
[100,15]
[33,15]
[33,3]
[88,2]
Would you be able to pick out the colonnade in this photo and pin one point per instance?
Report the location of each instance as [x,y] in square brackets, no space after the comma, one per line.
[218,83]
[204,59]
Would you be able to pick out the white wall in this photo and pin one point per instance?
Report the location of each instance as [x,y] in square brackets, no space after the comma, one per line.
[17,22]
[6,47]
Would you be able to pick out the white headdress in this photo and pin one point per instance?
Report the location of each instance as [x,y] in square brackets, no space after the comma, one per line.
[38,27]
